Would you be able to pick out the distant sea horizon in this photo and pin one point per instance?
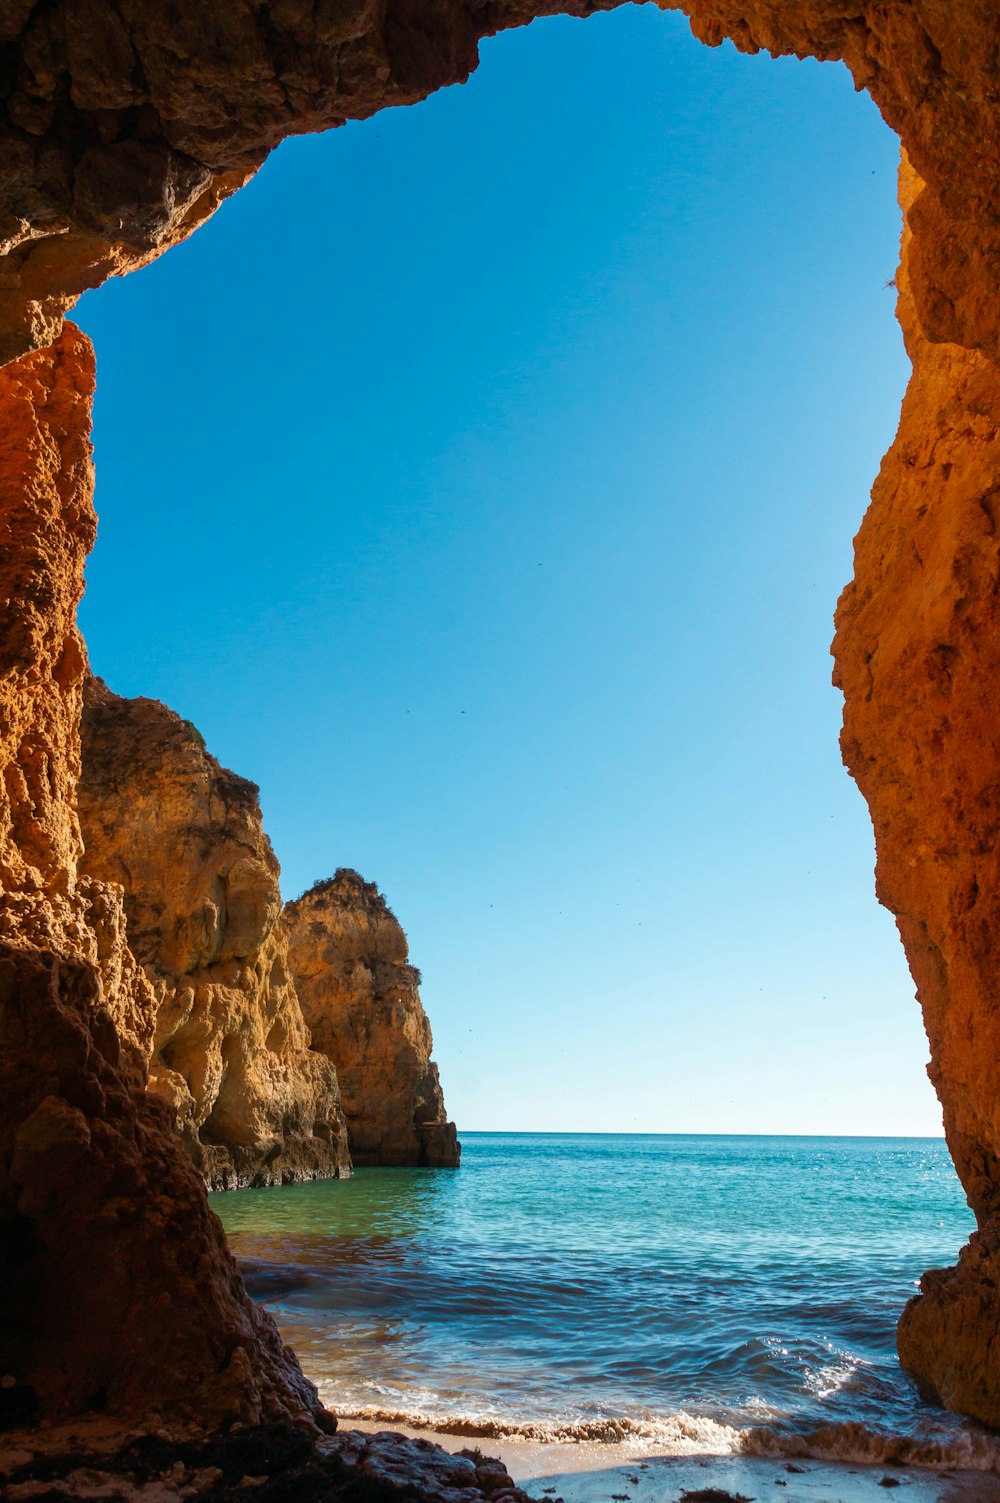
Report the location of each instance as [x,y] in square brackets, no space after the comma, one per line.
[683,1293]
[569,1132]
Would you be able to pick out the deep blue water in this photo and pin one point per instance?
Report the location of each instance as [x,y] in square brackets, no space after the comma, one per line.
[605,1285]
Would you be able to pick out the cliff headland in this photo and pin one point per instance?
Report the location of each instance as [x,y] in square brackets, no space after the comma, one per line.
[287,1041]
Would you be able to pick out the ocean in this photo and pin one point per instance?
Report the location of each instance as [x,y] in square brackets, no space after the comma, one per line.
[687,1294]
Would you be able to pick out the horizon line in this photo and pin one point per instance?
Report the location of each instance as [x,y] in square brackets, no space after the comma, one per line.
[565,1132]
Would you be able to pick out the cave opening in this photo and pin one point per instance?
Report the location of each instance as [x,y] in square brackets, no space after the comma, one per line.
[721,326]
[913,657]
[547,558]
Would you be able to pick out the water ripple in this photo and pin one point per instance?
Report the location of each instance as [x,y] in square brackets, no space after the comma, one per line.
[702,1288]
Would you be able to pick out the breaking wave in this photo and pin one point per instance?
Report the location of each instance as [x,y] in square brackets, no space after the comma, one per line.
[683,1434]
[678,1434]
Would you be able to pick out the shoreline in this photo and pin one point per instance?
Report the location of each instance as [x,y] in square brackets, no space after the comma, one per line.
[595,1472]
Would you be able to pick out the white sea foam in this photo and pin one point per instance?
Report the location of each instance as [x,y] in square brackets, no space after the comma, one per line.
[677,1434]
[683,1434]
[831,1377]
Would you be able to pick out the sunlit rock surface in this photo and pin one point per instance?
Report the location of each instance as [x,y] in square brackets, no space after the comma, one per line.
[118,1293]
[183,836]
[918,658]
[361,1000]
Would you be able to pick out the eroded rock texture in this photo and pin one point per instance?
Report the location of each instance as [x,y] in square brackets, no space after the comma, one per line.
[277,1463]
[361,1000]
[118,1292]
[918,658]
[123,125]
[184,839]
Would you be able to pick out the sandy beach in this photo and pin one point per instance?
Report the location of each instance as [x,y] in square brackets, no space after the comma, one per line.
[593,1473]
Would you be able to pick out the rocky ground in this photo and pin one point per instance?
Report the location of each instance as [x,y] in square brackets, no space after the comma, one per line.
[289,1464]
[258,1464]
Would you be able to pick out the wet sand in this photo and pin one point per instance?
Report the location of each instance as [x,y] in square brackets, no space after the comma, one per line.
[592,1473]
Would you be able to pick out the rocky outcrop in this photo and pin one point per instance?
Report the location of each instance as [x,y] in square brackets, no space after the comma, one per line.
[257,1011]
[918,658]
[361,1000]
[281,1463]
[230,1056]
[123,126]
[118,1293]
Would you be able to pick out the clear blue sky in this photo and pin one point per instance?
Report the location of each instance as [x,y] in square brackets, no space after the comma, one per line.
[481,481]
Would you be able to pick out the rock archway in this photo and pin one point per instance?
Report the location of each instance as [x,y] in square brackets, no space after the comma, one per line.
[123,125]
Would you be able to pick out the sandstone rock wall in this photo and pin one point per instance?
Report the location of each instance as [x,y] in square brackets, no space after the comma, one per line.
[361,1000]
[918,658]
[230,1055]
[118,1293]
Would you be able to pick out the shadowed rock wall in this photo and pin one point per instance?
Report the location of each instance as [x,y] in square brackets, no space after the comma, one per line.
[124,125]
[184,839]
[121,127]
[361,1000]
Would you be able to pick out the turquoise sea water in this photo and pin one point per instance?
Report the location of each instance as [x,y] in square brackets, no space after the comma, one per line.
[690,1292]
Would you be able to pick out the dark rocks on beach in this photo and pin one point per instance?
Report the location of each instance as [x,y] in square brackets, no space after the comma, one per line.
[713,1495]
[280,1463]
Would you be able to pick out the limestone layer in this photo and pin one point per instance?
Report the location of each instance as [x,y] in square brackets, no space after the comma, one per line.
[184,839]
[118,1292]
[361,1000]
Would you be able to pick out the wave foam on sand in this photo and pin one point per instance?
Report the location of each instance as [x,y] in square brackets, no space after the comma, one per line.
[683,1434]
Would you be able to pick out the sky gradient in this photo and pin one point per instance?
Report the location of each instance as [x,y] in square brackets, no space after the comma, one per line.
[481,481]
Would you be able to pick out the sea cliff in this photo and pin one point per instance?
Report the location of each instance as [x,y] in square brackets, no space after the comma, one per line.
[361,999]
[230,1056]
[258,1009]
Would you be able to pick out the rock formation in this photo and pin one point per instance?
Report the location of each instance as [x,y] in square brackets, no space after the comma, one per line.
[361,1000]
[118,1293]
[230,1056]
[122,125]
[276,1463]
[918,658]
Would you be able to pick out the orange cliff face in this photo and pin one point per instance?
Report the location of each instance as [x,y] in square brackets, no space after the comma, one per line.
[918,659]
[121,128]
[361,999]
[118,1292]
[184,839]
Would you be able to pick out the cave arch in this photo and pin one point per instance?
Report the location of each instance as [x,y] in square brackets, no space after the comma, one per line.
[122,129]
